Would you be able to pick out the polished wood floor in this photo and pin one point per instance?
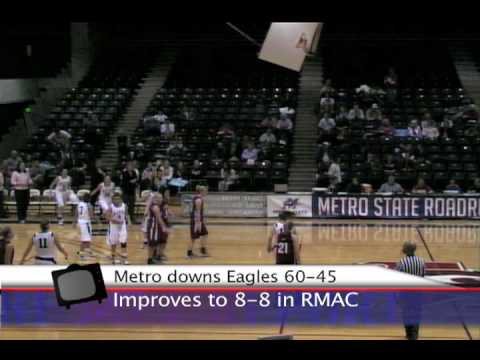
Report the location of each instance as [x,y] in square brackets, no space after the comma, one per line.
[243,242]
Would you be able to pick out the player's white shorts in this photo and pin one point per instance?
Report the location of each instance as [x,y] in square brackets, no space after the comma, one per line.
[85,231]
[63,197]
[104,203]
[44,261]
[116,234]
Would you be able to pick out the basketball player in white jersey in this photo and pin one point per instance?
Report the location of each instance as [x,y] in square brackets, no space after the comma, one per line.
[117,228]
[63,193]
[45,244]
[105,190]
[84,217]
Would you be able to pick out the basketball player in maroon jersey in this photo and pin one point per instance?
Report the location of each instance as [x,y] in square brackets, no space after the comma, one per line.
[287,246]
[198,229]
[165,213]
[7,250]
[157,231]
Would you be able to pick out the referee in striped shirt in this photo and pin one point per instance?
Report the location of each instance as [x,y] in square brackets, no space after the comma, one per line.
[411,303]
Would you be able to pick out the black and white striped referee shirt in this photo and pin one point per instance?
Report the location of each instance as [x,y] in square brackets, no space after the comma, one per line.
[412,265]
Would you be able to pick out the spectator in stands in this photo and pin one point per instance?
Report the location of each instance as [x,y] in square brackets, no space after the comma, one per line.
[167,129]
[473,131]
[180,171]
[250,154]
[354,187]
[78,173]
[334,174]
[386,128]
[160,117]
[229,178]
[391,186]
[342,116]
[66,157]
[122,142]
[267,140]
[430,130]
[285,124]
[374,113]
[152,124]
[60,138]
[159,184]
[168,171]
[196,172]
[227,136]
[91,123]
[327,104]
[21,183]
[326,127]
[356,113]
[323,153]
[475,188]
[341,135]
[140,154]
[11,163]
[446,126]
[391,83]
[406,159]
[244,143]
[421,187]
[286,111]
[175,148]
[147,177]
[327,88]
[389,165]
[372,167]
[426,119]
[453,186]
[157,165]
[220,152]
[414,130]
[187,113]
[129,183]
[269,122]
[470,113]
[116,178]
[2,194]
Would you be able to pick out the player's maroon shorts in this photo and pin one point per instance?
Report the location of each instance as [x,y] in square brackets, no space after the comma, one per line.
[158,239]
[195,234]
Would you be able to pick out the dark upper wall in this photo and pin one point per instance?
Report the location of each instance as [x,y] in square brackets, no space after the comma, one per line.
[50,49]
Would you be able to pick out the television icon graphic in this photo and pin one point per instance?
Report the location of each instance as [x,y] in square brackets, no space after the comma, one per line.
[78,284]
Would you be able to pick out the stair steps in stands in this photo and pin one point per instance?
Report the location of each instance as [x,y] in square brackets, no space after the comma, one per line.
[151,83]
[303,165]
[467,70]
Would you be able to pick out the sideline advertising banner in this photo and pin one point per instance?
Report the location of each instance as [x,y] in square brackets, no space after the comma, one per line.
[300,205]
[230,204]
[395,207]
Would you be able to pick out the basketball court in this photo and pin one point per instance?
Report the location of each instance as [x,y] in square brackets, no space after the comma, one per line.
[243,242]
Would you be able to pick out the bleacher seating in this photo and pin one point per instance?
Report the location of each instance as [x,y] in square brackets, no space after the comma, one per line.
[241,92]
[428,83]
[106,91]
